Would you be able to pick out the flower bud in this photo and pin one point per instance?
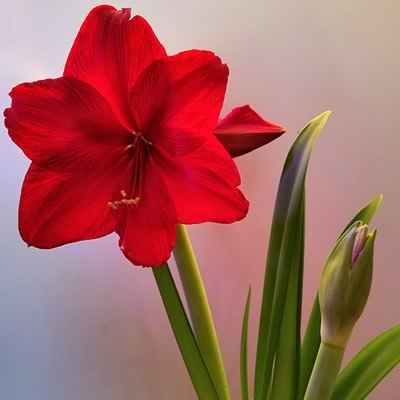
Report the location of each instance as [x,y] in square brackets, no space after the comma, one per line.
[345,283]
[243,130]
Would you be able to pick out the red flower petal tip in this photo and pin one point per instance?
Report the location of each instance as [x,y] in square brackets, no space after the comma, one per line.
[243,130]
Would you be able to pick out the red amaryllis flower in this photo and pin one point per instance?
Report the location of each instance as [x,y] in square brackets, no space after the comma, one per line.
[124,142]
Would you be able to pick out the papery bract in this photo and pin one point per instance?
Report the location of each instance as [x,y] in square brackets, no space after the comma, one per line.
[124,142]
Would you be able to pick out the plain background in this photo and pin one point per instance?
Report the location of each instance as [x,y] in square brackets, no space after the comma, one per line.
[79,322]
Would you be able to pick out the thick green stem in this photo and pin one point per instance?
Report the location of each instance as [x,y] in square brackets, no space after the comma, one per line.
[325,371]
[200,313]
[185,339]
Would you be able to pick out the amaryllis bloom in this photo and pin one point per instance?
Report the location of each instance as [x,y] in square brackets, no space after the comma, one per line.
[123,142]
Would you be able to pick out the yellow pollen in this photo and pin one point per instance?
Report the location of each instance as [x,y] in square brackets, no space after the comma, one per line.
[130,202]
[124,201]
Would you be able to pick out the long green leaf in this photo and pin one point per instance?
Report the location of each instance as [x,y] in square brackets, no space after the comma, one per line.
[279,259]
[309,348]
[287,359]
[185,339]
[369,366]
[312,339]
[244,384]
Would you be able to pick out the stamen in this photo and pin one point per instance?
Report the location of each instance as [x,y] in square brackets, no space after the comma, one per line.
[114,204]
[129,202]
[139,136]
[139,147]
[124,201]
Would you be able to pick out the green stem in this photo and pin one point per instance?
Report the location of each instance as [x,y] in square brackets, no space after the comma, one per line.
[200,313]
[185,339]
[325,371]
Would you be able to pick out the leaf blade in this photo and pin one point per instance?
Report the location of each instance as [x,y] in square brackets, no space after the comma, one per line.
[369,366]
[287,360]
[244,384]
[276,277]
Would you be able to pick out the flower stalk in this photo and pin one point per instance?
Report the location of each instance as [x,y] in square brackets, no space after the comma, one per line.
[199,310]
[182,330]
[326,368]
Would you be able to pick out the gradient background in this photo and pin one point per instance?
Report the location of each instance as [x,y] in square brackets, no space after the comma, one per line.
[79,322]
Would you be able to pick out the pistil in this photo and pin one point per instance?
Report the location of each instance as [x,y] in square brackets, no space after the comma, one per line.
[139,147]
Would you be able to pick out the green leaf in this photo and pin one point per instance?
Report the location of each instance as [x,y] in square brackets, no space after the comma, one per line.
[244,384]
[185,339]
[366,213]
[369,366]
[287,358]
[312,337]
[309,348]
[281,259]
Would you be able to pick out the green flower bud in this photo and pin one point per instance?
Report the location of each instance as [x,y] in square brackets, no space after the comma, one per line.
[345,283]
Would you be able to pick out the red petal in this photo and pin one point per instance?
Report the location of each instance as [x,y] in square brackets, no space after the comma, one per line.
[243,130]
[178,99]
[65,124]
[58,208]
[147,231]
[110,51]
[203,185]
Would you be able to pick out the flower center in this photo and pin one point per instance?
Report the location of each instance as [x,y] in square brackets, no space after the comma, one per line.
[138,150]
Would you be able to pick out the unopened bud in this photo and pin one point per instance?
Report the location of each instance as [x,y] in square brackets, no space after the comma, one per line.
[345,283]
